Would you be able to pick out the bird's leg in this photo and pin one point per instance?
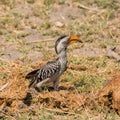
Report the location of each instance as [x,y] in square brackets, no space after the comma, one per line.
[39,85]
[56,85]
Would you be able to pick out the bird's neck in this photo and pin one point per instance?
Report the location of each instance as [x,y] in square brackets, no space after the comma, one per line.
[62,57]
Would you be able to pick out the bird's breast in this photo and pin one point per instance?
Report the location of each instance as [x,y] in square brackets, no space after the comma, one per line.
[63,66]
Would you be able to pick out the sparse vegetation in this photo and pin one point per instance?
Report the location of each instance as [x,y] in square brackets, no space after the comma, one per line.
[25,24]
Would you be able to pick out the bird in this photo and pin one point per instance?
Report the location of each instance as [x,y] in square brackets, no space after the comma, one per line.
[52,70]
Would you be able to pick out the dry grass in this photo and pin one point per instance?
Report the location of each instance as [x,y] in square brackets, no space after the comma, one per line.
[17,98]
[28,31]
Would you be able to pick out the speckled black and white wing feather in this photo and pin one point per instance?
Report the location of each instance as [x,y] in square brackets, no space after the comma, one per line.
[51,69]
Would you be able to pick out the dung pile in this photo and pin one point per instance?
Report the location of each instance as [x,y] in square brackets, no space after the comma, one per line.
[16,97]
[15,90]
[110,94]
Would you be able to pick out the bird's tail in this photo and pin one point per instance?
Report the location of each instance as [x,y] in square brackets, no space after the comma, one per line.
[31,74]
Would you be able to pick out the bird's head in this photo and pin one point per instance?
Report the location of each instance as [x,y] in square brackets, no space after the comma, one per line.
[64,41]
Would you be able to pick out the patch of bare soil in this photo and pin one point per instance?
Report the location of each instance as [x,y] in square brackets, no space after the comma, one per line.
[110,94]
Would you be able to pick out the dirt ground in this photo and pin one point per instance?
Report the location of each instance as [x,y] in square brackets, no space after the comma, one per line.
[89,89]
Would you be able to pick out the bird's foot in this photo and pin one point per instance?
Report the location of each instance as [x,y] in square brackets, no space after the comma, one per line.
[56,88]
[38,89]
[56,85]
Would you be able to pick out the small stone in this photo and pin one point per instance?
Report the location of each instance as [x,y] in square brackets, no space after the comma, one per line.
[59,24]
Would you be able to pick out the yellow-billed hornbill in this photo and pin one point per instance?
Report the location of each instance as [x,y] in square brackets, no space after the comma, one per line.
[53,69]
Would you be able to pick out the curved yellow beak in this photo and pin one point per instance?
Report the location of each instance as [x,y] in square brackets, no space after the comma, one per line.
[73,39]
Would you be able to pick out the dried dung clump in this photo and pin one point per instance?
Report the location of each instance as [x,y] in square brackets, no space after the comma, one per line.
[110,94]
[15,89]
[64,100]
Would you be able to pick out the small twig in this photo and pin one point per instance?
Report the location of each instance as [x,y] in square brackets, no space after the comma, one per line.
[29,42]
[7,115]
[75,67]
[36,41]
[84,7]
[60,111]
[4,60]
[112,54]
[3,87]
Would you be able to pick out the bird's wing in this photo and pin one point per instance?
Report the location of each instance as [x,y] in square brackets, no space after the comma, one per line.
[47,71]
[31,74]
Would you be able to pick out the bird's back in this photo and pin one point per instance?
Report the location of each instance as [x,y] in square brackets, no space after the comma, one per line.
[51,69]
